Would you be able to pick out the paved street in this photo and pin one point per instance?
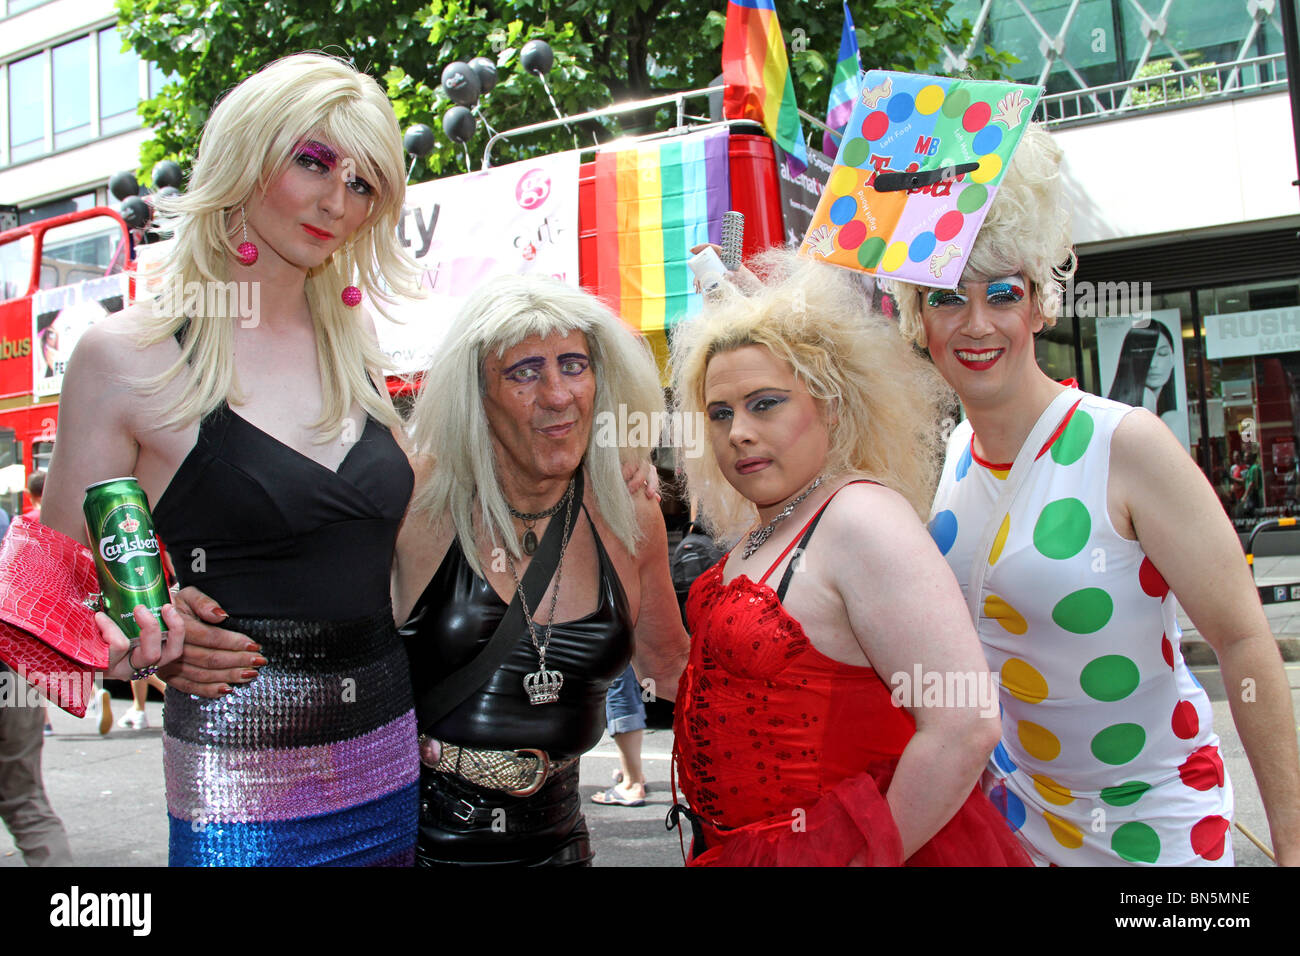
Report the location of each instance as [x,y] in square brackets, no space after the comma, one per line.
[109,791]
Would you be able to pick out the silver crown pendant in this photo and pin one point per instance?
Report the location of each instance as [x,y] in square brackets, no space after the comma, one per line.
[543,686]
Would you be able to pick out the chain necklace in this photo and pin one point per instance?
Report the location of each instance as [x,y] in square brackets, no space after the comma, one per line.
[529,541]
[756,538]
[543,686]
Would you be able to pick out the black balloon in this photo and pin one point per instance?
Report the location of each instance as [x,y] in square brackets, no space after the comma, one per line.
[123,184]
[169,191]
[537,56]
[460,83]
[459,123]
[486,71]
[418,140]
[135,211]
[167,173]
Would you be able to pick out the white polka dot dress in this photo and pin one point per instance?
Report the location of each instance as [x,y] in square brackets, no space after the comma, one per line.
[1107,754]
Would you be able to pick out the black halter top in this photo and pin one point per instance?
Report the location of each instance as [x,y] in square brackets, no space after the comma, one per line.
[454,619]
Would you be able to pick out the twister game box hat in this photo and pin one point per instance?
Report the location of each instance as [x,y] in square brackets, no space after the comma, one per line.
[916,173]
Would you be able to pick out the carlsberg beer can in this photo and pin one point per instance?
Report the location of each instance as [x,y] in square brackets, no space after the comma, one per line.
[120,530]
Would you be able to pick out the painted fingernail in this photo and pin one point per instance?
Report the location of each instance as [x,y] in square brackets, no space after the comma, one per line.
[254,648]
[248,675]
[224,689]
[219,611]
[258,661]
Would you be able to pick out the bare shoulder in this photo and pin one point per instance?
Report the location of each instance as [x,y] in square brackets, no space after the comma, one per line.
[870,516]
[115,344]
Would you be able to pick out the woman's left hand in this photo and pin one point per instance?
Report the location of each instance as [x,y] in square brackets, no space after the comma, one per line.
[642,476]
[153,650]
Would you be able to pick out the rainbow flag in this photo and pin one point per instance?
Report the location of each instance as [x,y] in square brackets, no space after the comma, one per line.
[657,200]
[757,76]
[845,86]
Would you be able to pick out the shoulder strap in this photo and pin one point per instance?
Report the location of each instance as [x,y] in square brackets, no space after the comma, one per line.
[1020,469]
[450,692]
[810,527]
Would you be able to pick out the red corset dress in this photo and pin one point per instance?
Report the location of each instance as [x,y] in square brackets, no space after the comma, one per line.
[784,754]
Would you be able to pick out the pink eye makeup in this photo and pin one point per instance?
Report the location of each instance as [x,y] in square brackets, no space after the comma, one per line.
[319,152]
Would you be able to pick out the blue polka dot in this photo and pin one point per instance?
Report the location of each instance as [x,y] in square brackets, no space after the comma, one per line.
[1002,758]
[843,209]
[921,247]
[987,140]
[963,463]
[943,528]
[900,107]
[1009,805]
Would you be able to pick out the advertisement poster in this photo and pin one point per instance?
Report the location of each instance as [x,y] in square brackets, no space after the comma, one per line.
[60,317]
[519,219]
[1141,364]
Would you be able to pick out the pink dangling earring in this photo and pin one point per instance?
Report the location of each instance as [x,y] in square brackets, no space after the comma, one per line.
[351,295]
[247,251]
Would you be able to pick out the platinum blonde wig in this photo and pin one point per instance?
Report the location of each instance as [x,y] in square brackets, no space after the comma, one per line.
[1027,231]
[450,424]
[881,398]
[248,142]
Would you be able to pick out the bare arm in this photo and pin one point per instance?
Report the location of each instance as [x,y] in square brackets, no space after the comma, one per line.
[1182,528]
[95,443]
[907,611]
[662,646]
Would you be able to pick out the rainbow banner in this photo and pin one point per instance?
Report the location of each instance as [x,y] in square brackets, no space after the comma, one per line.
[653,203]
[757,77]
[846,85]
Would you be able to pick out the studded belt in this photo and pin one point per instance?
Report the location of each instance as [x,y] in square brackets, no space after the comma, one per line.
[520,773]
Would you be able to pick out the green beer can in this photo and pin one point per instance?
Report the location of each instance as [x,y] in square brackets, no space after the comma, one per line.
[120,530]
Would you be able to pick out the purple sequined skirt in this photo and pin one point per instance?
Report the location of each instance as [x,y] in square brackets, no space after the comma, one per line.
[314,763]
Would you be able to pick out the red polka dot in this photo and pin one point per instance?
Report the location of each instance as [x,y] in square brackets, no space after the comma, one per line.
[1203,770]
[1186,724]
[1167,650]
[949,225]
[874,126]
[852,234]
[976,117]
[1208,837]
[1153,583]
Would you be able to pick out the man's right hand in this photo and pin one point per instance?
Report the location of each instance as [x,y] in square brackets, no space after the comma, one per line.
[215,660]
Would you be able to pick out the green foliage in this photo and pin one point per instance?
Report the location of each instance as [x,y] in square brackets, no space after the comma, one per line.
[605,52]
[1172,90]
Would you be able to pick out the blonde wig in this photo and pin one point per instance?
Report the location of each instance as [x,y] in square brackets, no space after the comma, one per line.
[248,142]
[450,425]
[1027,231]
[882,400]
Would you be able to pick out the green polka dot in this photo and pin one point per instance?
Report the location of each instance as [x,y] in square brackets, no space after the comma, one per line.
[1073,442]
[1136,843]
[956,103]
[857,152]
[1062,529]
[1119,743]
[971,198]
[1125,793]
[869,252]
[1112,677]
[1083,612]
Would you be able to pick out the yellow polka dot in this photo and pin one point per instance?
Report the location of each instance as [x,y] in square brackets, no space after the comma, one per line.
[1067,834]
[1000,473]
[1052,792]
[1002,612]
[894,257]
[1000,540]
[1039,742]
[1023,682]
[990,166]
[843,181]
[929,99]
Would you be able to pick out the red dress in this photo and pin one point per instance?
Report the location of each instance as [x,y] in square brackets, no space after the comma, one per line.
[784,754]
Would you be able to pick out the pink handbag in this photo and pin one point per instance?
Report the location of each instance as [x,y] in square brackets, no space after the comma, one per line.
[48,634]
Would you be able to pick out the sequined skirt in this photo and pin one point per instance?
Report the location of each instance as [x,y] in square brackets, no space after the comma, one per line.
[314,763]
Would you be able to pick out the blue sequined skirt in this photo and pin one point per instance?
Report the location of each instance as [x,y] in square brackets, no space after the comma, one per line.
[314,763]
